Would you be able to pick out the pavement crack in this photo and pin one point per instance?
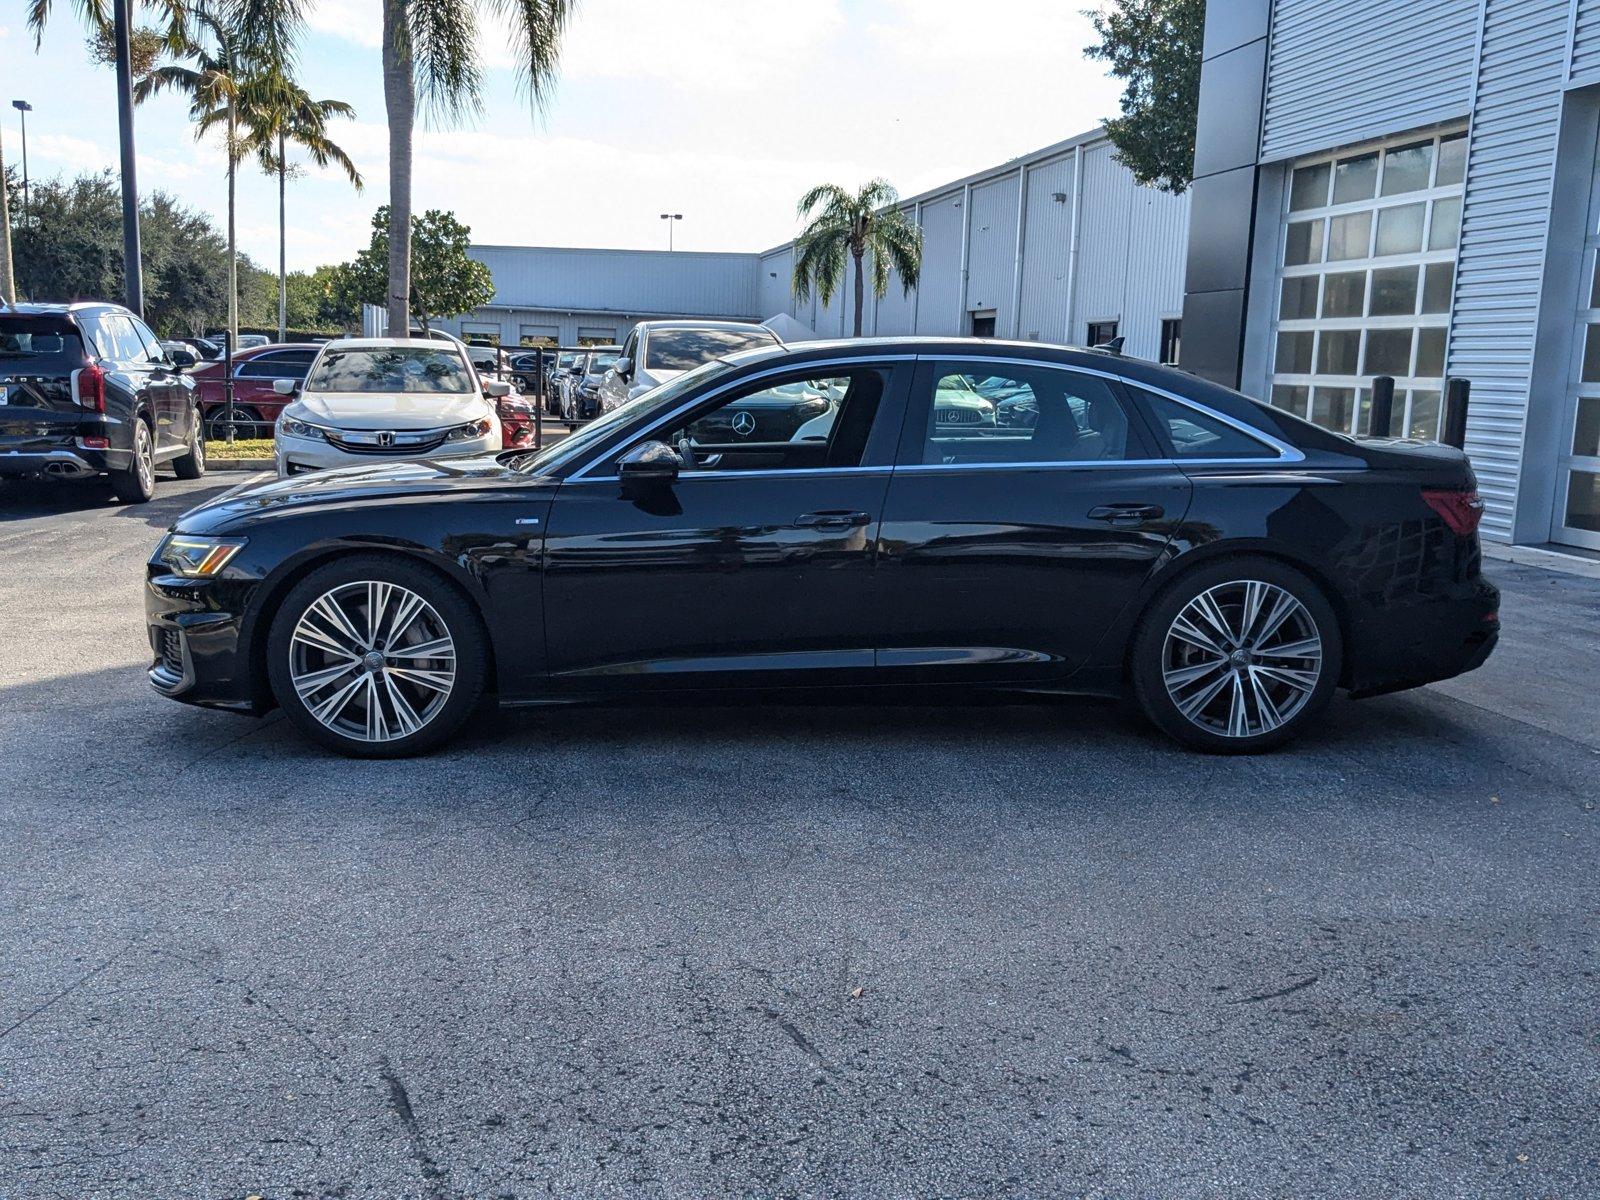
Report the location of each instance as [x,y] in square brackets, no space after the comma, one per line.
[1286,991]
[63,994]
[433,1175]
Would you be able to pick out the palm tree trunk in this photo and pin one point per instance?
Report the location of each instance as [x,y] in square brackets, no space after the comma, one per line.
[283,241]
[233,239]
[400,99]
[861,289]
[8,283]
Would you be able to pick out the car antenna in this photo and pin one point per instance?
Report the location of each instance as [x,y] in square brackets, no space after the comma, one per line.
[1111,346]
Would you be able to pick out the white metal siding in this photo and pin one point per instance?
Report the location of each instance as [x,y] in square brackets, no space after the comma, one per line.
[774,284]
[1342,71]
[1102,243]
[992,258]
[633,281]
[939,301]
[1510,171]
[1047,249]
[1586,40]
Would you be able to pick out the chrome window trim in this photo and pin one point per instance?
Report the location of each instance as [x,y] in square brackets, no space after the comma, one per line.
[1286,452]
[784,369]
[763,473]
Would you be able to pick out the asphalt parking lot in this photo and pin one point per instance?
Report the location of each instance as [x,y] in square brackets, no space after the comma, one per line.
[773,950]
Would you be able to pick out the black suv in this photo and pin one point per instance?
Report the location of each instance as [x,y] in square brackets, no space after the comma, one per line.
[86,389]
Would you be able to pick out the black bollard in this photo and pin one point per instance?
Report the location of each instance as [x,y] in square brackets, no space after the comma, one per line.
[1382,406]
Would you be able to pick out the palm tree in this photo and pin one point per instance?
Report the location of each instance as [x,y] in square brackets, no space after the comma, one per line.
[431,46]
[278,112]
[224,59]
[867,223]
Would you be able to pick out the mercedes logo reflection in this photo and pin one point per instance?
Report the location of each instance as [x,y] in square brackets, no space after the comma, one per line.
[744,424]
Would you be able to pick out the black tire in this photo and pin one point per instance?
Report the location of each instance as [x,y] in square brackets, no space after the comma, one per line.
[1156,648]
[193,464]
[464,627]
[137,484]
[247,423]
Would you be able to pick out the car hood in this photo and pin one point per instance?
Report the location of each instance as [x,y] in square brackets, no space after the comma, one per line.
[235,510]
[389,410]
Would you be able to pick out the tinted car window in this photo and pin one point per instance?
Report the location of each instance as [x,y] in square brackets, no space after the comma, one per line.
[120,340]
[680,349]
[38,345]
[152,344]
[1193,434]
[795,424]
[276,366]
[390,369]
[1030,415]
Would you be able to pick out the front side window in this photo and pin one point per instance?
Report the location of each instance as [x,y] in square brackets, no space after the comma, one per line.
[1193,434]
[284,365]
[682,349]
[1028,414]
[801,423]
[406,369]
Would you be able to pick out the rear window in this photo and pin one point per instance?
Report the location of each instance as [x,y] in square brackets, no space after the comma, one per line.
[390,369]
[682,349]
[39,345]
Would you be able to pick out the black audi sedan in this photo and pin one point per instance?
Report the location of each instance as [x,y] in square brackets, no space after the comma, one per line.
[1227,564]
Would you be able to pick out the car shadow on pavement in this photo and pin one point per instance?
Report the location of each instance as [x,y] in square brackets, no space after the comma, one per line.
[22,498]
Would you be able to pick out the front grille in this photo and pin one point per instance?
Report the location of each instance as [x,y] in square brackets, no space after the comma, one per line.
[957,416]
[169,649]
[366,443]
[167,672]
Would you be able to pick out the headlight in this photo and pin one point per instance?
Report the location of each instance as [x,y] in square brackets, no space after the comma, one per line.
[302,429]
[198,557]
[474,429]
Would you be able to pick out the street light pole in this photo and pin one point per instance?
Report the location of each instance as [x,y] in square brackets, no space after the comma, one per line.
[132,263]
[24,108]
[671,219]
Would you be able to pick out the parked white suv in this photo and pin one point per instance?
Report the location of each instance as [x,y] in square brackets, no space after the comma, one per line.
[656,351]
[368,400]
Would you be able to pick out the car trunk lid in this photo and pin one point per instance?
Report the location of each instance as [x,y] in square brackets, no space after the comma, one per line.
[41,358]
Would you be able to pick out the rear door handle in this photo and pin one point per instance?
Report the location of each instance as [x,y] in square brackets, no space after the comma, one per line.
[832,519]
[1126,514]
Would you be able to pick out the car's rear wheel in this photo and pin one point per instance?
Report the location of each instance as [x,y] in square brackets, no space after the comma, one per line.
[1237,657]
[137,484]
[247,423]
[377,657]
[193,463]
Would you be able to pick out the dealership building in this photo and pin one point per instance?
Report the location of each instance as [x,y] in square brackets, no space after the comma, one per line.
[1408,189]
[1381,188]
[1057,246]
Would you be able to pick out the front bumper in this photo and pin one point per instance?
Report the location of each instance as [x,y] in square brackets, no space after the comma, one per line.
[194,627]
[295,456]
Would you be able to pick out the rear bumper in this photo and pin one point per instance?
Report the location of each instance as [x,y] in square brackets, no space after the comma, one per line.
[63,462]
[1429,640]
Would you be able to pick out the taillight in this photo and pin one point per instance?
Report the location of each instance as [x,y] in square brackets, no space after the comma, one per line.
[92,388]
[1461,510]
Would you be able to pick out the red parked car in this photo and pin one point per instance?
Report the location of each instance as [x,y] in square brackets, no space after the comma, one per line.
[255,404]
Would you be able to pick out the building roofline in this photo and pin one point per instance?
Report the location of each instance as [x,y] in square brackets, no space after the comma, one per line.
[618,250]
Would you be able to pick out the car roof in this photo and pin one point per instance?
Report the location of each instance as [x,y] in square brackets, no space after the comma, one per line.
[687,324]
[388,343]
[40,308]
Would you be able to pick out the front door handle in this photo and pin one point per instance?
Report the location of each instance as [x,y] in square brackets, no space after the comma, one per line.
[1126,514]
[832,519]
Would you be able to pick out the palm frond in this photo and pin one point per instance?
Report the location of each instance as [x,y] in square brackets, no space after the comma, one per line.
[538,26]
[896,243]
[444,54]
[829,196]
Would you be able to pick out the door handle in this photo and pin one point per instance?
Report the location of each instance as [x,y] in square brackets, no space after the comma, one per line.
[832,519]
[1126,514]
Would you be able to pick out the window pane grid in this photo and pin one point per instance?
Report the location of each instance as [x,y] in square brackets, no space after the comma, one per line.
[1367,261]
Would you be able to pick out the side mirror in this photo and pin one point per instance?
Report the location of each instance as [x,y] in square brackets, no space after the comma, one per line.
[286,387]
[495,390]
[623,367]
[181,359]
[649,462]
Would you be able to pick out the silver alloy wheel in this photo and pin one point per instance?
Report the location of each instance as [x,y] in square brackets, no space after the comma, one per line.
[372,661]
[1242,658]
[197,441]
[143,456]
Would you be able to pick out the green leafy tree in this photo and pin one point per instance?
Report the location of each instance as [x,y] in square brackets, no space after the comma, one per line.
[278,113]
[71,249]
[324,299]
[866,225]
[430,49]
[1154,47]
[444,280]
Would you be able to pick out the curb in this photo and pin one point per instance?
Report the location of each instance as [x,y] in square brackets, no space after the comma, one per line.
[1550,560]
[240,464]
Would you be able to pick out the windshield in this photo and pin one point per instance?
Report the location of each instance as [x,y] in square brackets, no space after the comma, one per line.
[405,369]
[681,349]
[600,428]
[42,342]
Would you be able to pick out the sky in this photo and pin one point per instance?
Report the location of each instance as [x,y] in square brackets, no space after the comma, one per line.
[723,110]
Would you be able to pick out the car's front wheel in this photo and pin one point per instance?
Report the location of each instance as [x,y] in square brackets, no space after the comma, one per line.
[377,657]
[1237,657]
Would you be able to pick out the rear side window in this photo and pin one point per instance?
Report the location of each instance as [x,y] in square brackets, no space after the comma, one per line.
[38,346]
[1193,434]
[276,366]
[1022,414]
[118,340]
